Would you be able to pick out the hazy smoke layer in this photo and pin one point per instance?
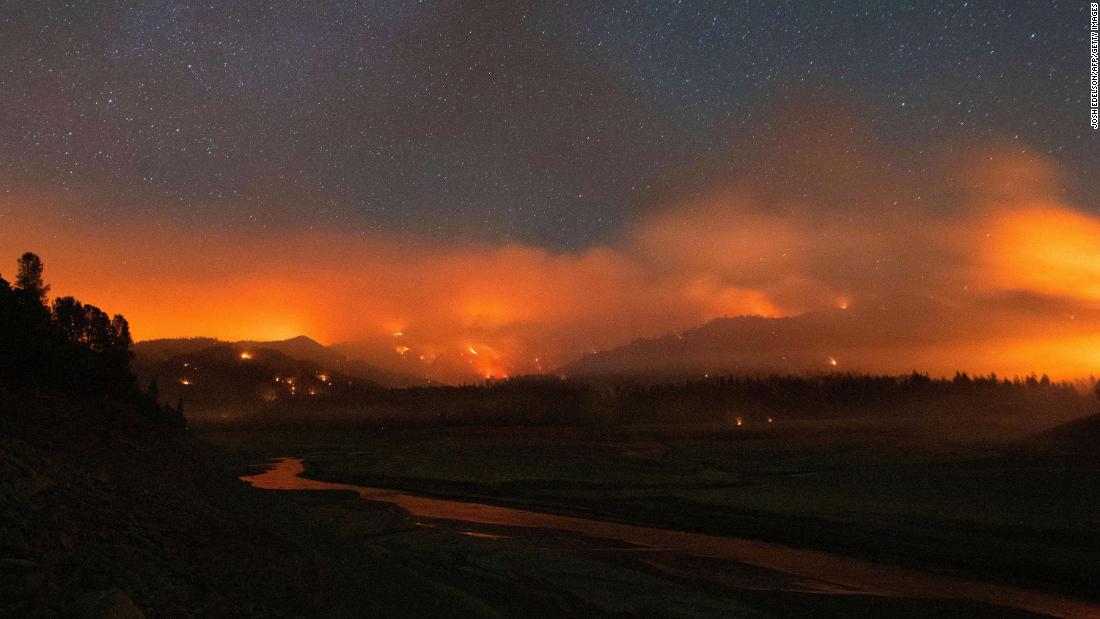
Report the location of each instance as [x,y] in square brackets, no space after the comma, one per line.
[974,262]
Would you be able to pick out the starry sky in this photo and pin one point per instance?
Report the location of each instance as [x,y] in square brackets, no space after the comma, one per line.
[538,180]
[534,122]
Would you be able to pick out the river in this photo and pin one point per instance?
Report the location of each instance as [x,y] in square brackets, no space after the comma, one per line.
[828,573]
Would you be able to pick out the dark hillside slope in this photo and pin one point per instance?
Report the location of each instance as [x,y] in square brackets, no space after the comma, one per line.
[217,382]
[1080,437]
[102,510]
[301,348]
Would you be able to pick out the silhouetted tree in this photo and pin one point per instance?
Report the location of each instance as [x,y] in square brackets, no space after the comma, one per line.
[99,329]
[29,278]
[8,326]
[69,316]
[68,346]
[121,350]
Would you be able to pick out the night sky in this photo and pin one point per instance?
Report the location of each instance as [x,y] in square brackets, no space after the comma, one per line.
[539,123]
[540,180]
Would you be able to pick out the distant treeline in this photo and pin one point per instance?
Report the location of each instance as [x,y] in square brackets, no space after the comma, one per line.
[532,400]
[847,395]
[726,399]
[66,346]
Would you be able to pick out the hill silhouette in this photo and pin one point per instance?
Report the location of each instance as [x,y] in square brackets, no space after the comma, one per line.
[738,345]
[303,348]
[1079,437]
[224,381]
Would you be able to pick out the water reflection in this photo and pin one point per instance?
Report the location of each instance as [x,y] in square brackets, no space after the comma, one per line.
[817,571]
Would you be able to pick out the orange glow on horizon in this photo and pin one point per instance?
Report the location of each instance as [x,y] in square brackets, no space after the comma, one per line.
[1011,257]
[1047,249]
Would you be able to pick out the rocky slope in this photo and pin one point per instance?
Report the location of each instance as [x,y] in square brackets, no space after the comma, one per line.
[104,513]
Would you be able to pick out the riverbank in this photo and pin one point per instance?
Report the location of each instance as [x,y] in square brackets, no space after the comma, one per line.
[992,512]
[792,570]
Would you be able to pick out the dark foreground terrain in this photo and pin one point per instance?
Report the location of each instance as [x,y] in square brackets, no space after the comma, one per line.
[1013,513]
[106,514]
[103,514]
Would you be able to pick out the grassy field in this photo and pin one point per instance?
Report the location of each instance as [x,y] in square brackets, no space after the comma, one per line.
[995,511]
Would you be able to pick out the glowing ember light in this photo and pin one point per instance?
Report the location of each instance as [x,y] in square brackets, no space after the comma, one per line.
[401,350]
[245,356]
[312,391]
[842,303]
[184,381]
[770,420]
[832,361]
[471,349]
[322,377]
[398,333]
[740,421]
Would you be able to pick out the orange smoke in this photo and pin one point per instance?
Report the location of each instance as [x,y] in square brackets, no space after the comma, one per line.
[1004,278]
[1046,248]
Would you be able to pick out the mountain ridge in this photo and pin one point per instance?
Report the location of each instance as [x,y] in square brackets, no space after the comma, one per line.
[731,345]
[300,347]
